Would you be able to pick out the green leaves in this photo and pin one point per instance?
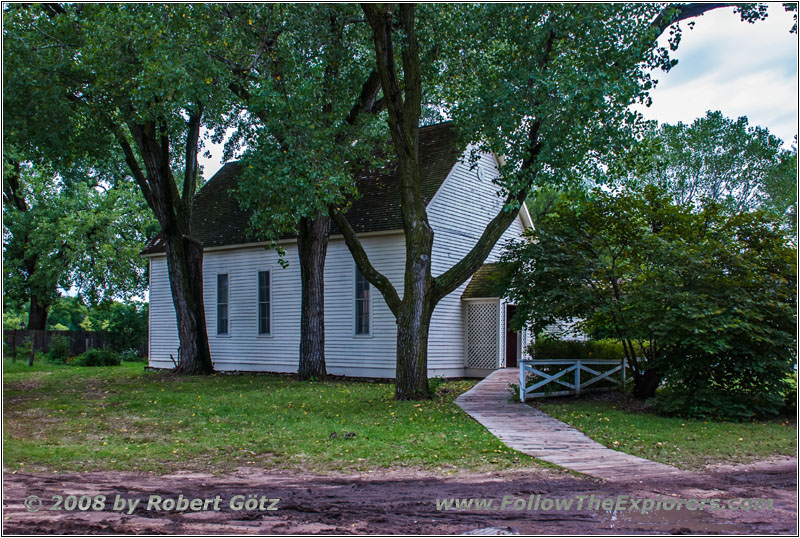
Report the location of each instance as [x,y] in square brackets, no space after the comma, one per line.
[706,296]
[715,159]
[298,142]
[547,86]
[81,227]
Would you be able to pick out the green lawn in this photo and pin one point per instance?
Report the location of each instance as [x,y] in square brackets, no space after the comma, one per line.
[77,418]
[621,424]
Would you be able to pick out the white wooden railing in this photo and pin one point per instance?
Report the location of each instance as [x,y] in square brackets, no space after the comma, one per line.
[574,366]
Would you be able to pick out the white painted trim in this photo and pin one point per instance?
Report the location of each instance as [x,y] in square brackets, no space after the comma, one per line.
[150,312]
[398,231]
[525,216]
[355,308]
[494,300]
[498,305]
[501,335]
[216,306]
[465,328]
[269,302]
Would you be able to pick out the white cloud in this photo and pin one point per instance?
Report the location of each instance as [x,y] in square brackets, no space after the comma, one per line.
[741,69]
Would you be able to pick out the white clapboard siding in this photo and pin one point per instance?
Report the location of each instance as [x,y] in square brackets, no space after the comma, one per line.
[565,330]
[163,337]
[346,353]
[244,349]
[458,214]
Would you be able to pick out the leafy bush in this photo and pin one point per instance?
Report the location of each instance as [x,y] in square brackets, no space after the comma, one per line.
[710,290]
[131,355]
[549,348]
[24,348]
[709,403]
[706,386]
[59,348]
[97,357]
[790,395]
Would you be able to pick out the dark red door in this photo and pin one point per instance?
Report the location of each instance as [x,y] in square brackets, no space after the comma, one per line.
[511,339]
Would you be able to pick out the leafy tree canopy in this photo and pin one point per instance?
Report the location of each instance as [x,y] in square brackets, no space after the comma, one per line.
[703,299]
[714,159]
[549,86]
[299,96]
[139,75]
[78,228]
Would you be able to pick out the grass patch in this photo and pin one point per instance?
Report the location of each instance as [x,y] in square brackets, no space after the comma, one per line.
[83,418]
[620,423]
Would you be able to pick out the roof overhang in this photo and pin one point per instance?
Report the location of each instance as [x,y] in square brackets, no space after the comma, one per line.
[524,214]
[268,244]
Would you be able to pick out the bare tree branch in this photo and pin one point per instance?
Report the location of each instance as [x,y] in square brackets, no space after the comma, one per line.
[190,174]
[680,12]
[133,165]
[375,278]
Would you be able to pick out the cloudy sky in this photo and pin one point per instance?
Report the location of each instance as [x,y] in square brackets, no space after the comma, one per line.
[739,68]
[723,64]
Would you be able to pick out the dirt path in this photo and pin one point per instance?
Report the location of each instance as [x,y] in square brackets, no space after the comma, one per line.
[399,502]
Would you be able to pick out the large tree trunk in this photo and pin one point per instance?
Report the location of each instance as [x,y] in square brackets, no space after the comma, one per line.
[37,315]
[414,313]
[173,209]
[185,269]
[312,246]
[646,383]
[413,326]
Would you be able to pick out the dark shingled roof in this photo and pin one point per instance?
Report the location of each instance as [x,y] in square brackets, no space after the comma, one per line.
[486,282]
[217,219]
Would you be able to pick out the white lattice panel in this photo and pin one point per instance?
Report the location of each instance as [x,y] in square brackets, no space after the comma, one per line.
[482,335]
[526,341]
[502,358]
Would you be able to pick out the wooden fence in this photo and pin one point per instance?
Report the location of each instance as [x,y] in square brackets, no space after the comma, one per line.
[542,372]
[79,341]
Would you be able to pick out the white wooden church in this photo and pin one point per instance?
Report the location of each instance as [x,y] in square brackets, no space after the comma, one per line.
[252,303]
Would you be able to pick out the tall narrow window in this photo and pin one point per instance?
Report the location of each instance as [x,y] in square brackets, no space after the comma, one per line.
[263,303]
[362,303]
[222,304]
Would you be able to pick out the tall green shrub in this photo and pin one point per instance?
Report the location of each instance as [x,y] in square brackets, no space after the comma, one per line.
[97,357]
[703,298]
[550,348]
[59,348]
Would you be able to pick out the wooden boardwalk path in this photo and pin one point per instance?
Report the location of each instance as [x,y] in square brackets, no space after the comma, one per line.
[539,435]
